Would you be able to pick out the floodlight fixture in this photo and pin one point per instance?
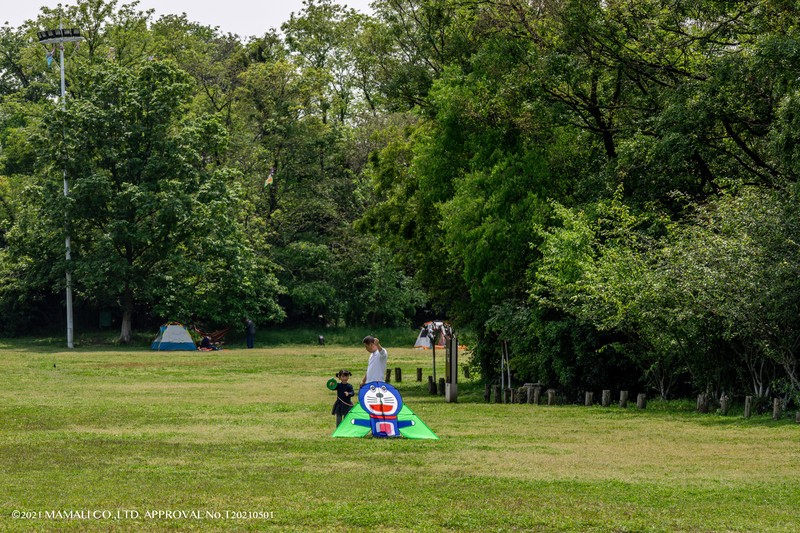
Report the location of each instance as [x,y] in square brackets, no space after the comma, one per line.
[61,35]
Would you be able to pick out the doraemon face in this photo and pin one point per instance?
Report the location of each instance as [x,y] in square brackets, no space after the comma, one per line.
[379,398]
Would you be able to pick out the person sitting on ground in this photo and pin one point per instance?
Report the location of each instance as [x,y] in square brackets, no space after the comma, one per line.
[206,345]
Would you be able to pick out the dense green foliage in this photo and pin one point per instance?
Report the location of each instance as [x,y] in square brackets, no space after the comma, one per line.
[613,186]
[609,186]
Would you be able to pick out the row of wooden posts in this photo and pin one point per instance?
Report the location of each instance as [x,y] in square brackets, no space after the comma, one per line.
[432,386]
[531,393]
[703,401]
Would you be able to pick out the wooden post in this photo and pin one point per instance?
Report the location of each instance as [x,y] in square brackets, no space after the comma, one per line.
[441,386]
[623,398]
[537,392]
[431,385]
[496,394]
[606,401]
[507,396]
[419,374]
[451,369]
[466,372]
[487,393]
[776,408]
[551,397]
[641,401]
[724,404]
[797,417]
[588,400]
[529,398]
[433,356]
[388,375]
[748,406]
[398,375]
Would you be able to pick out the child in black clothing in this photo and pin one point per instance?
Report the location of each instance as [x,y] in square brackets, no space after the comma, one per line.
[344,396]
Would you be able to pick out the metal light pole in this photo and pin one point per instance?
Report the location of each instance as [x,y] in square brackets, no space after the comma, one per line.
[61,36]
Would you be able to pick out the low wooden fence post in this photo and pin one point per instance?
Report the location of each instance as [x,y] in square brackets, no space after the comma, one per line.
[724,404]
[431,385]
[507,396]
[623,398]
[419,374]
[388,375]
[496,394]
[466,372]
[398,375]
[487,393]
[537,392]
[748,406]
[551,397]
[606,398]
[776,408]
[588,400]
[441,386]
[641,401]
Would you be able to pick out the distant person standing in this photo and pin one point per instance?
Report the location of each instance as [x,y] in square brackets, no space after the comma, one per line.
[250,329]
[376,366]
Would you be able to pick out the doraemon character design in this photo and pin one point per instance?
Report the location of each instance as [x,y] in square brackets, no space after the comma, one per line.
[383,403]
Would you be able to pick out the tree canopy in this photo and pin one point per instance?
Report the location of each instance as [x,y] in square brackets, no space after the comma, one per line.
[611,187]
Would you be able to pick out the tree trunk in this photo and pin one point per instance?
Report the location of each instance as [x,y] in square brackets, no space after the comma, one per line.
[125,332]
[127,315]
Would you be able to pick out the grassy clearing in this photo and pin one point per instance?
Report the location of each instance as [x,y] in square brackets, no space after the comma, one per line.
[248,431]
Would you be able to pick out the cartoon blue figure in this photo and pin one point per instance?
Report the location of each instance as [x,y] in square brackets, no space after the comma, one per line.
[382,402]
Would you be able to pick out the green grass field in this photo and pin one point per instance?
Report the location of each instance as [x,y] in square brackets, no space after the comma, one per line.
[100,439]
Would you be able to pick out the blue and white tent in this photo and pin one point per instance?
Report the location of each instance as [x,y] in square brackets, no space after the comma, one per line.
[173,337]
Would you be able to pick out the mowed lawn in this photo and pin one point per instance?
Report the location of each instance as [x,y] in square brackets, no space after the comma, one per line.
[239,440]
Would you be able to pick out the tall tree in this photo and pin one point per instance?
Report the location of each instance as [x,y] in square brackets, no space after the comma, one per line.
[145,191]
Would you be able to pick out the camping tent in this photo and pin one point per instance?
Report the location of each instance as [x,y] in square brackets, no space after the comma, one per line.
[436,329]
[173,337]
